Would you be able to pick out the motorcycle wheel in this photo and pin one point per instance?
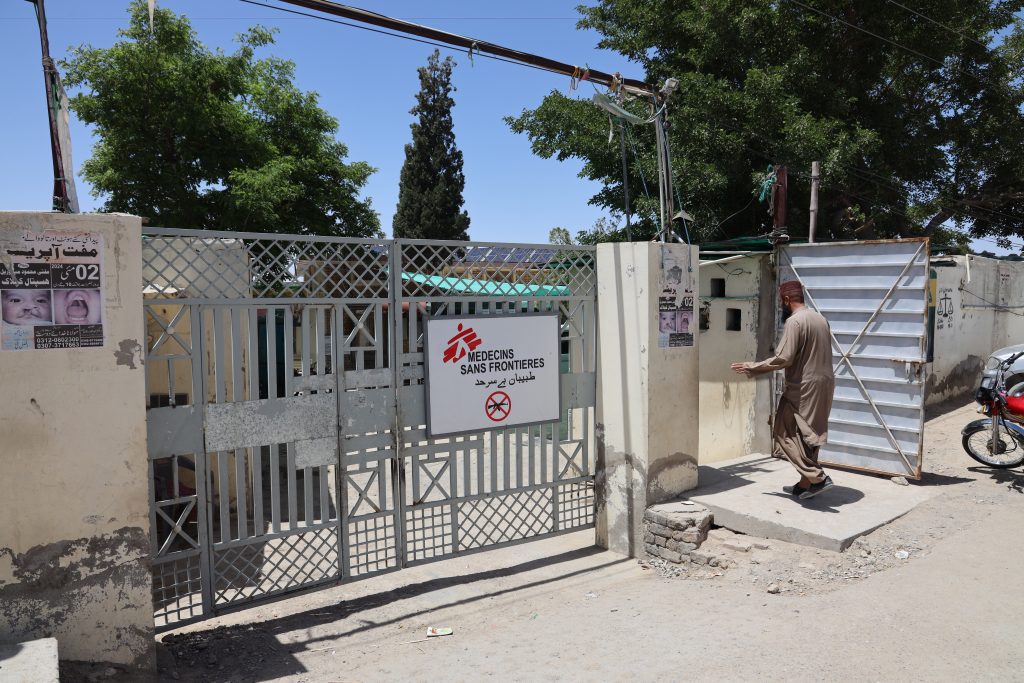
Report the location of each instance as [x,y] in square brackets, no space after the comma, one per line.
[1006,454]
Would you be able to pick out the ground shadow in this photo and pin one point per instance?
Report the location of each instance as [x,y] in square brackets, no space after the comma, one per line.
[197,655]
[829,501]
[715,479]
[1013,480]
[948,406]
[934,479]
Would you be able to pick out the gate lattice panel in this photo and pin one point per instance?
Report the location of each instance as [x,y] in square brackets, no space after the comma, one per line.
[287,436]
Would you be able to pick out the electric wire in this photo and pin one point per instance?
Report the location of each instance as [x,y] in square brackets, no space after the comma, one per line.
[941,63]
[937,23]
[399,35]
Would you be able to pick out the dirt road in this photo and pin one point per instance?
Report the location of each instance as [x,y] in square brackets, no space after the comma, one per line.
[932,596]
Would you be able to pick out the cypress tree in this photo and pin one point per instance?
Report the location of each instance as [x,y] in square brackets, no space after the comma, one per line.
[430,188]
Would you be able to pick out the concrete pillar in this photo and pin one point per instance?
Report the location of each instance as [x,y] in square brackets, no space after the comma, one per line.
[647,417]
[74,490]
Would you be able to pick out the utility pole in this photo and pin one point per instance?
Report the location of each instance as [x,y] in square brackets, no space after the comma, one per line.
[621,99]
[61,199]
[625,179]
[815,178]
[780,190]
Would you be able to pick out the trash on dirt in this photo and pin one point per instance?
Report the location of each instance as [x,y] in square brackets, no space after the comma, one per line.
[590,595]
[774,589]
[434,631]
[902,554]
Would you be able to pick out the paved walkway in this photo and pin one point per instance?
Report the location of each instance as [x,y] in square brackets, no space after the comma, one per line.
[745,495]
[560,610]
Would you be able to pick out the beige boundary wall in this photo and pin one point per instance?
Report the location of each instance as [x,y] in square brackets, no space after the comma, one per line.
[74,512]
[735,412]
[978,309]
[647,420]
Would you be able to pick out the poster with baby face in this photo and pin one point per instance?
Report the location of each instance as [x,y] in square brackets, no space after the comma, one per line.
[675,302]
[51,292]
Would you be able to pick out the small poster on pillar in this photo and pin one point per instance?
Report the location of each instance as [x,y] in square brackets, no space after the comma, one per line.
[51,291]
[675,302]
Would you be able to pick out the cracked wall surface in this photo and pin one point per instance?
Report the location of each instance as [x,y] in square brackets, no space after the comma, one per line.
[647,426]
[74,542]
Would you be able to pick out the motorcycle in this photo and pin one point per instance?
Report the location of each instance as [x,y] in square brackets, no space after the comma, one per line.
[997,440]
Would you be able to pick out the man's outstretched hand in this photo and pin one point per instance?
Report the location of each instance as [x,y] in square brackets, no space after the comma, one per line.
[742,369]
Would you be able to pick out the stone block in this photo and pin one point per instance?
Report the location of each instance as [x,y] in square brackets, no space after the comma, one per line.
[659,530]
[668,520]
[660,541]
[700,557]
[671,556]
[649,537]
[672,544]
[694,535]
[652,550]
[686,548]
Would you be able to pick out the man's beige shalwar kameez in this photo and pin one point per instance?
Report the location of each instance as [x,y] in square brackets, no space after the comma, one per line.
[801,422]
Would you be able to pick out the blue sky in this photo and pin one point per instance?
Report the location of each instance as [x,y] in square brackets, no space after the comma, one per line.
[366,80]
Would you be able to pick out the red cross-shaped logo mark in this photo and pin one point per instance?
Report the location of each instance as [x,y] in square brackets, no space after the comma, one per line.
[465,340]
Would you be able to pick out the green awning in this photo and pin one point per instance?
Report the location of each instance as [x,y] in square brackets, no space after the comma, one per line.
[460,285]
[758,244]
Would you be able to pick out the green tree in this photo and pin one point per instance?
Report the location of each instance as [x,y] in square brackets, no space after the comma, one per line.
[560,236]
[196,138]
[909,142]
[431,185]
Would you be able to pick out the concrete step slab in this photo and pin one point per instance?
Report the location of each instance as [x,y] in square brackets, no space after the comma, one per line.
[745,495]
[33,661]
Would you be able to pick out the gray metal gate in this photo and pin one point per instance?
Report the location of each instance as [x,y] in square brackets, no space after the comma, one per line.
[874,295]
[287,436]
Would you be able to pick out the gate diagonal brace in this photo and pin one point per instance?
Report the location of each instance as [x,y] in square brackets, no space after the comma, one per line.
[845,356]
[435,481]
[570,460]
[177,529]
[169,330]
[364,492]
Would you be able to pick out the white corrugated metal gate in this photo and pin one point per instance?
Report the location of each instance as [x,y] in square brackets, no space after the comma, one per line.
[874,295]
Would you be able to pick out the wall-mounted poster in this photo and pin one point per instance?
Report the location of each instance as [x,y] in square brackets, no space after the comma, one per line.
[675,302]
[51,292]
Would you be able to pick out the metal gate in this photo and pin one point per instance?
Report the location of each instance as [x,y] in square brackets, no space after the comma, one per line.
[874,295]
[287,436]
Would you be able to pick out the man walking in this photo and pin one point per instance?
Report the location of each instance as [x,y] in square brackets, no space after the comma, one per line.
[801,422]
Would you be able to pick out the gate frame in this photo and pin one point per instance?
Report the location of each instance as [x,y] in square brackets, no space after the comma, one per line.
[784,260]
[227,325]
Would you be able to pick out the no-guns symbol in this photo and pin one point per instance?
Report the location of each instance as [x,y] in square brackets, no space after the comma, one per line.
[498,405]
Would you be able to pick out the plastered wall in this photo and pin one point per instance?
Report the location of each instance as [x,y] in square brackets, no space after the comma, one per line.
[648,412]
[977,311]
[735,411]
[74,515]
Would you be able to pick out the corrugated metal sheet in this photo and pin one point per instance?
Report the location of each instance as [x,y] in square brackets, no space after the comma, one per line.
[874,295]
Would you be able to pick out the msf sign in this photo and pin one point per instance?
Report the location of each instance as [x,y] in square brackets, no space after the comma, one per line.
[491,371]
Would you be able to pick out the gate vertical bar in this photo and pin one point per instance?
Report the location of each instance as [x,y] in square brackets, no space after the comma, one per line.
[254,394]
[340,481]
[202,474]
[237,390]
[395,346]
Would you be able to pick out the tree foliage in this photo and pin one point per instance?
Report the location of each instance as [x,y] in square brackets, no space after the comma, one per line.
[912,137]
[431,184]
[196,138]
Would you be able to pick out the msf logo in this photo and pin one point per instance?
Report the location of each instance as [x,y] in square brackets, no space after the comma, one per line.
[465,340]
